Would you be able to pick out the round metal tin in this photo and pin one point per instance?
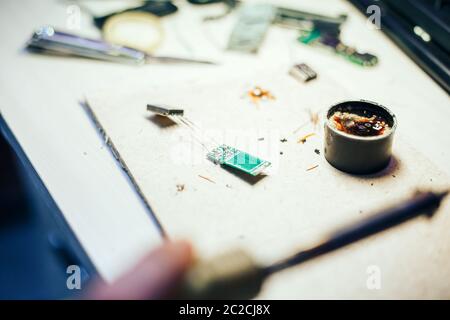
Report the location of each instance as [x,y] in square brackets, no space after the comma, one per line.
[359,154]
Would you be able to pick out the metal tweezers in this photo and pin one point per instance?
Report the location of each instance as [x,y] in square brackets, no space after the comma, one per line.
[49,40]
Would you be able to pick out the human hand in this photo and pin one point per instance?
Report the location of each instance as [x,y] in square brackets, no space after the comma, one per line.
[156,276]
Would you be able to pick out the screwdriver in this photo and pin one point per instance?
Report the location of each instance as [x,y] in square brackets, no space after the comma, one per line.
[236,275]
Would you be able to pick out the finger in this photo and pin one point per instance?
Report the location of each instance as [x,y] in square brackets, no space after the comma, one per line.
[154,277]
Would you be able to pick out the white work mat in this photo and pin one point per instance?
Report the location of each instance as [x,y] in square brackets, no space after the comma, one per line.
[301,199]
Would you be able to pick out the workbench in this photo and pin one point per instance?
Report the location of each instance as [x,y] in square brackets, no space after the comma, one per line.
[42,115]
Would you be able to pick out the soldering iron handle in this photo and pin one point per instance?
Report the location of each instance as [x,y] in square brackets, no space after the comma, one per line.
[422,203]
[232,275]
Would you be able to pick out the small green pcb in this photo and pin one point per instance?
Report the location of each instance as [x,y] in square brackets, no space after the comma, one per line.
[309,37]
[229,156]
[318,38]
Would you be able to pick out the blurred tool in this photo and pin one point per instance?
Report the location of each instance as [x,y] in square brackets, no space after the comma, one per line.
[421,28]
[286,17]
[253,22]
[299,19]
[48,40]
[236,275]
[255,18]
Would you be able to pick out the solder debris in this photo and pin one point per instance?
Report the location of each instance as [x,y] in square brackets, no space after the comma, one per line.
[305,137]
[206,178]
[257,94]
[312,168]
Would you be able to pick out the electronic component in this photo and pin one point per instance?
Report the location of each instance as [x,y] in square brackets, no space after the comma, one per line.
[330,39]
[297,19]
[302,72]
[229,156]
[163,111]
[257,94]
[251,27]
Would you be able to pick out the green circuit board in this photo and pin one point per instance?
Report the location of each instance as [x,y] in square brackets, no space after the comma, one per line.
[318,38]
[240,160]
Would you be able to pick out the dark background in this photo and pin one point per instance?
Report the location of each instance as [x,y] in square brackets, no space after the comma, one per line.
[33,255]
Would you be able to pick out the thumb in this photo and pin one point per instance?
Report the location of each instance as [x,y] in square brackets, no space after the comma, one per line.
[154,277]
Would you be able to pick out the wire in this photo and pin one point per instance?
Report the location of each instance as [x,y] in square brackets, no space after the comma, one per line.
[207,143]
